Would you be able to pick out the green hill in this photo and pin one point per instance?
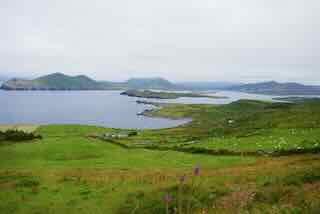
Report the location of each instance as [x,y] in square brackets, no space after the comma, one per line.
[56,81]
[61,81]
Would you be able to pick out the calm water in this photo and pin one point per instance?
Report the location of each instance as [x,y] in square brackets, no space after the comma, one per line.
[232,96]
[102,108]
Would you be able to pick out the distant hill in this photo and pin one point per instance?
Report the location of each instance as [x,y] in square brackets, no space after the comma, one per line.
[150,83]
[275,88]
[56,81]
[207,85]
[59,81]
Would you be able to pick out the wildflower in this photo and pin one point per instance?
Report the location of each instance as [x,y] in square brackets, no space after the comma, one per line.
[196,171]
[183,179]
[167,198]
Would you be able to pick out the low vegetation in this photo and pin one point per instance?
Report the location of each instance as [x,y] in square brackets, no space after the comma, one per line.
[72,170]
[15,135]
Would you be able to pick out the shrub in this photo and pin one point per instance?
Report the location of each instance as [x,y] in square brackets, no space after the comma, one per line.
[132,133]
[17,135]
[28,182]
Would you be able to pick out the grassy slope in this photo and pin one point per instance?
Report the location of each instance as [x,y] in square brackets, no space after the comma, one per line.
[256,125]
[67,172]
[72,149]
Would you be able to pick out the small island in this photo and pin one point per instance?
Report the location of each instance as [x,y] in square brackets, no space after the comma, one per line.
[165,95]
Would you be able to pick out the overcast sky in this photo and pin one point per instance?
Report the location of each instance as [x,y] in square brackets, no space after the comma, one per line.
[203,40]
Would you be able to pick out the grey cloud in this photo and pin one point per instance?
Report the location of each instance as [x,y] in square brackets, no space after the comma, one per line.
[233,40]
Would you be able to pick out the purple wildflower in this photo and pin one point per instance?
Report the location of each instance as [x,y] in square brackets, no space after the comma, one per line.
[183,179]
[196,171]
[167,198]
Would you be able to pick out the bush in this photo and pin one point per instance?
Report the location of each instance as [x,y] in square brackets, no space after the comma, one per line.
[28,182]
[17,135]
[132,133]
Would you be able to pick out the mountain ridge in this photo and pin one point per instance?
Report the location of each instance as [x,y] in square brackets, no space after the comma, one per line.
[60,81]
[55,81]
[276,88]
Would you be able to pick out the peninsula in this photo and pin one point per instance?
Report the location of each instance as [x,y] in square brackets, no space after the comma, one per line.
[166,95]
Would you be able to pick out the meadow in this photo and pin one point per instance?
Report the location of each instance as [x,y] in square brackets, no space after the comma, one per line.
[74,169]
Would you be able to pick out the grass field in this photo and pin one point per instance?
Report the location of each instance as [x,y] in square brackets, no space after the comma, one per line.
[267,140]
[70,171]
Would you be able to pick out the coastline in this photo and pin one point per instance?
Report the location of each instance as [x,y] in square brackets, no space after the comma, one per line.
[157,107]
